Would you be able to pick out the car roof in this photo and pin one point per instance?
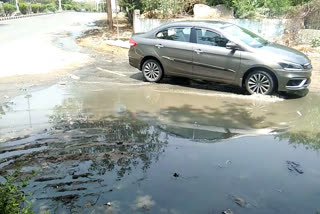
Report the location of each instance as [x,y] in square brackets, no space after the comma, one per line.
[200,23]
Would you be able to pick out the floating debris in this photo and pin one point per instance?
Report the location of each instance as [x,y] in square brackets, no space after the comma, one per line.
[228,211]
[294,167]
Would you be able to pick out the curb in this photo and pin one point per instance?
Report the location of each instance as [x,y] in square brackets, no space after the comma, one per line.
[25,16]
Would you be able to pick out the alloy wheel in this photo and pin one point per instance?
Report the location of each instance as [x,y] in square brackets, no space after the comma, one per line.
[152,71]
[259,83]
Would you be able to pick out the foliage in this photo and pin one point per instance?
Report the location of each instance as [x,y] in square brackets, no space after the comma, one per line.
[130,6]
[67,7]
[228,3]
[35,8]
[246,8]
[24,8]
[315,42]
[249,8]
[42,8]
[278,7]
[9,9]
[12,198]
[51,7]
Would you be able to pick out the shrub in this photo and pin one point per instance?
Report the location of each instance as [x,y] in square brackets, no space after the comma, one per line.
[42,8]
[277,7]
[9,9]
[245,8]
[315,42]
[76,7]
[12,197]
[23,7]
[67,6]
[35,8]
[51,7]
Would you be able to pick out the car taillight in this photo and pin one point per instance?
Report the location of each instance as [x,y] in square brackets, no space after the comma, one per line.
[132,42]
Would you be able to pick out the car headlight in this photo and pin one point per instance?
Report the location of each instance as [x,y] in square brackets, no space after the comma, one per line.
[291,66]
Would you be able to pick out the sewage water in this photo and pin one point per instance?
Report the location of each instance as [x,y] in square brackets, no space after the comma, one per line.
[157,149]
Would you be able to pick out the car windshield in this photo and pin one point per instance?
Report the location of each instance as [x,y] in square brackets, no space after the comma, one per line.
[246,36]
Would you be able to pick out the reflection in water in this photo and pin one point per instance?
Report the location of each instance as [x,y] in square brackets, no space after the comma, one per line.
[121,141]
[307,130]
[124,146]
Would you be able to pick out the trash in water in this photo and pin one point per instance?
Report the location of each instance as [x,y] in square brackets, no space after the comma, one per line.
[228,211]
[294,167]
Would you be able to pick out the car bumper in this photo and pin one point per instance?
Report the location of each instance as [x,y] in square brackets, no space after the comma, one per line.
[293,80]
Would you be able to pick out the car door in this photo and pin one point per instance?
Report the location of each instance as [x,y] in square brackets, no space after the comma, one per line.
[211,58]
[175,50]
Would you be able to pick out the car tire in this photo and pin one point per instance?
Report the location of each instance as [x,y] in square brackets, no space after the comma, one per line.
[152,70]
[260,82]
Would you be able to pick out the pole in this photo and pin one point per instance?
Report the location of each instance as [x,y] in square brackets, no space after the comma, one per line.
[60,8]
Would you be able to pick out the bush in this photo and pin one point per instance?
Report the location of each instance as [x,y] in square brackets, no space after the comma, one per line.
[278,8]
[42,8]
[76,7]
[23,7]
[51,7]
[35,8]
[9,9]
[315,42]
[67,7]
[12,197]
[245,8]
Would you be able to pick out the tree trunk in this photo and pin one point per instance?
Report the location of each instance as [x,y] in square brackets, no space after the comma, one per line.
[109,12]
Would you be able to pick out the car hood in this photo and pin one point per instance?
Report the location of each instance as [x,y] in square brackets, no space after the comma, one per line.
[280,52]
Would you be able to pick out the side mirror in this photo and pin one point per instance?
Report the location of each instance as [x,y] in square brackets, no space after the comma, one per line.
[232,46]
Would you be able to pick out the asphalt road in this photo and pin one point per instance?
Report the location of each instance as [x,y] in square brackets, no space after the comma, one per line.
[26,44]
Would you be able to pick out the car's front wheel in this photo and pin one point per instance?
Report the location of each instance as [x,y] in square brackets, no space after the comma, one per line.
[152,70]
[259,82]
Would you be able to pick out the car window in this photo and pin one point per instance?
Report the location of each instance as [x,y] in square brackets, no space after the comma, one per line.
[175,34]
[207,37]
[246,36]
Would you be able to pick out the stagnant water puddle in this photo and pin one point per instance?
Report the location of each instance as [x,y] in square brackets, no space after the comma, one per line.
[163,149]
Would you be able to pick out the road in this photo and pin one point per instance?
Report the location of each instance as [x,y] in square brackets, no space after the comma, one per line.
[26,45]
[98,133]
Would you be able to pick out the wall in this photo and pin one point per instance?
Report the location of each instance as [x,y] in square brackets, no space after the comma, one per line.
[305,36]
[268,28]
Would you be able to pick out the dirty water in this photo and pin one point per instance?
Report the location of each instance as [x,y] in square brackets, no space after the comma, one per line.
[122,145]
[104,141]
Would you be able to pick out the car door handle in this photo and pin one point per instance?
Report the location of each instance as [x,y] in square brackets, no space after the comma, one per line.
[159,46]
[198,51]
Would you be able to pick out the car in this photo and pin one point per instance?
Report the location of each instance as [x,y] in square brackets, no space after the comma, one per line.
[220,52]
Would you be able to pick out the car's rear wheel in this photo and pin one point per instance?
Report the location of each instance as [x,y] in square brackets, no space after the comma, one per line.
[152,70]
[259,82]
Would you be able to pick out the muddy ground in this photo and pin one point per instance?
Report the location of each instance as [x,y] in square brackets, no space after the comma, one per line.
[104,141]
